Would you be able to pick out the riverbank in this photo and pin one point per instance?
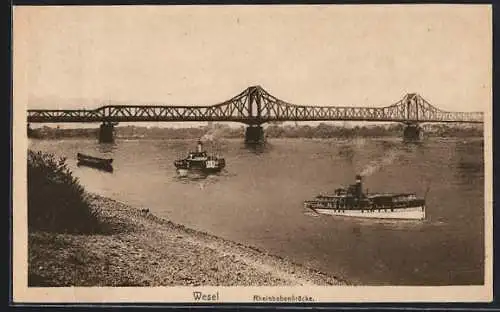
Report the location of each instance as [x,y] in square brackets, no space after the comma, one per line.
[142,249]
[272,131]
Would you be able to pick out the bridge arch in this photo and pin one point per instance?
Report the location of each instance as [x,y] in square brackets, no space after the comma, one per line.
[255,106]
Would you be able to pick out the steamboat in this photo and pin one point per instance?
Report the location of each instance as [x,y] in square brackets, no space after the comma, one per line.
[353,202]
[199,160]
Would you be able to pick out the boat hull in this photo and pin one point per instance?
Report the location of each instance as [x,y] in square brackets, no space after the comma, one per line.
[182,172]
[409,213]
[103,167]
[203,166]
[94,162]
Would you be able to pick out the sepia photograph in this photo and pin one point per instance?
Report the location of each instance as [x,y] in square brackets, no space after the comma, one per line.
[252,153]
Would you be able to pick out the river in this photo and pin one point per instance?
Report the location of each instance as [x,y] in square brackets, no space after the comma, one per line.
[258,200]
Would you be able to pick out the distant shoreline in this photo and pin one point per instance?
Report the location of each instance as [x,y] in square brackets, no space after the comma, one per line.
[322,131]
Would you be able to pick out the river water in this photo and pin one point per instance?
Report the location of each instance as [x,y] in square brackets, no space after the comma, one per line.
[258,200]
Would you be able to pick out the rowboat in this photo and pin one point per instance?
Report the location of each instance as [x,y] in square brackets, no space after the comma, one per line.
[95,162]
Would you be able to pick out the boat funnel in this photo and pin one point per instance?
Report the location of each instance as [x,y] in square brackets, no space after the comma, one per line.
[200,146]
[359,186]
[358,178]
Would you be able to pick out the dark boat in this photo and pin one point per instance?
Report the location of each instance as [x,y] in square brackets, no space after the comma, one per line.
[95,162]
[200,160]
[352,202]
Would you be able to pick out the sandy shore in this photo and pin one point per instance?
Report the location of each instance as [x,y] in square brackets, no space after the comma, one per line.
[144,250]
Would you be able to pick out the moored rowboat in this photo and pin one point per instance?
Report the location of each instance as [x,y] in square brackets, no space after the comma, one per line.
[95,162]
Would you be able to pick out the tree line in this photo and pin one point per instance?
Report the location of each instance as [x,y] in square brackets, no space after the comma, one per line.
[321,131]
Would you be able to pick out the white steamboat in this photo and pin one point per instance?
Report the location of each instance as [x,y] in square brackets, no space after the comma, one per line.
[352,202]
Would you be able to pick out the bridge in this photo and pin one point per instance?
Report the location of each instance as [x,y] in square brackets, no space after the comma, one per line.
[254,107]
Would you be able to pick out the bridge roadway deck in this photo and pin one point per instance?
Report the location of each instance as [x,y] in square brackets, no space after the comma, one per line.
[256,106]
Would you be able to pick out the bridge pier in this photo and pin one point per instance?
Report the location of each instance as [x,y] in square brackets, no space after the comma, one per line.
[30,131]
[412,132]
[254,134]
[106,132]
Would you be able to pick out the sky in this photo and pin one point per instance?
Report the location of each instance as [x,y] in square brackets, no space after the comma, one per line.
[84,57]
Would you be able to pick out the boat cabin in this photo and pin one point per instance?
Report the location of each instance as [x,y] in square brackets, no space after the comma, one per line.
[353,197]
[197,156]
[395,200]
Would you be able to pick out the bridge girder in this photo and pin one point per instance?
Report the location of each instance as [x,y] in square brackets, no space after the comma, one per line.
[256,106]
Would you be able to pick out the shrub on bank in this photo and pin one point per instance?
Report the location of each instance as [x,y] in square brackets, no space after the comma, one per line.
[56,200]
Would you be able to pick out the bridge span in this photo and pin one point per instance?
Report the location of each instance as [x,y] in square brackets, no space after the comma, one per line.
[254,107]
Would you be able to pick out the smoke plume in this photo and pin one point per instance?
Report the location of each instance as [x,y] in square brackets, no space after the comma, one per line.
[378,164]
[212,135]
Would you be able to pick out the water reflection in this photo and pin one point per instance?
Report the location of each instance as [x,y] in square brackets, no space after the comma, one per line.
[106,169]
[347,152]
[468,168]
[258,149]
[412,146]
[386,145]
[193,175]
[106,148]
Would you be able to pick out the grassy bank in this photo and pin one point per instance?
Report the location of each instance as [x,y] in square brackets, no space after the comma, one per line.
[112,244]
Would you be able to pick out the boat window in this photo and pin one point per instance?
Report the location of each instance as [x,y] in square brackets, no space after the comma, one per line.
[404,198]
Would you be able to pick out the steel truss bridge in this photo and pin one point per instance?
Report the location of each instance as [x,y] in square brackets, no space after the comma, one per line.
[255,106]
